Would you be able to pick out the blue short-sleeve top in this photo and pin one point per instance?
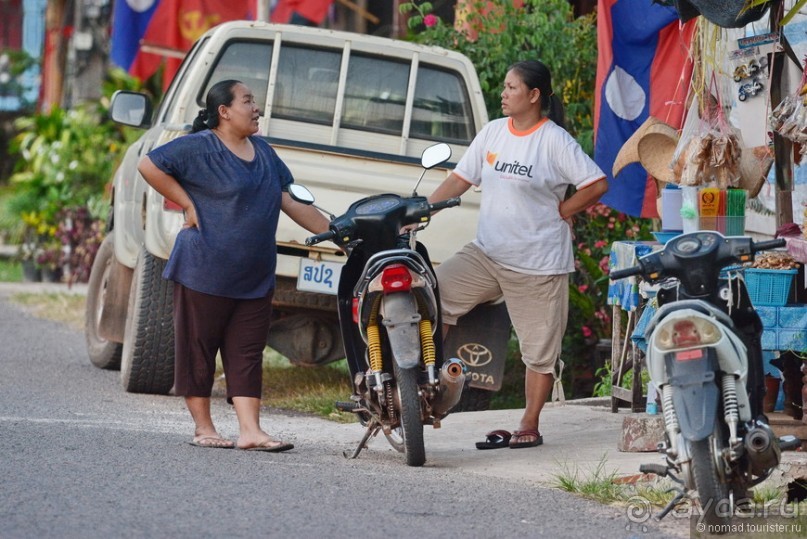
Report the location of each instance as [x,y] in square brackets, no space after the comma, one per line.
[233,251]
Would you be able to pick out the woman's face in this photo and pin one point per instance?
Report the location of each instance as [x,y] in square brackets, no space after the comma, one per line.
[516,97]
[242,115]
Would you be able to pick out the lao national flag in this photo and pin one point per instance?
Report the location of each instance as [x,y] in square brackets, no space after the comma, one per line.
[176,25]
[130,19]
[643,70]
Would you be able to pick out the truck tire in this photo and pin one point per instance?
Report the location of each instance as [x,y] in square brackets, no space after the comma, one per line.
[147,362]
[103,353]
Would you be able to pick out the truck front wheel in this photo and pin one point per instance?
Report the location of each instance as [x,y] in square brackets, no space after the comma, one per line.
[147,362]
[104,354]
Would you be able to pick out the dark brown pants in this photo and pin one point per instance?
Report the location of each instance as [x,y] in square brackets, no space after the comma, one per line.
[206,324]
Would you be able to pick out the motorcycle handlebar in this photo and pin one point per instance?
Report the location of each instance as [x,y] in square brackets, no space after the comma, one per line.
[325,236]
[448,203]
[627,272]
[770,244]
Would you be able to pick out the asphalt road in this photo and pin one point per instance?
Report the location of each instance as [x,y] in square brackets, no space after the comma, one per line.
[79,457]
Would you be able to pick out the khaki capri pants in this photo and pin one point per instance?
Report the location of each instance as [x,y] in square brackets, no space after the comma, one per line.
[538,305]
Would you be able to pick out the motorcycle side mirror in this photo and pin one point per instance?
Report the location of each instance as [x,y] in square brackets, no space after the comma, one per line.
[430,158]
[301,194]
[434,155]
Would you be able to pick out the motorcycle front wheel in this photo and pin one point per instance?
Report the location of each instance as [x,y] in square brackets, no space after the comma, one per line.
[411,424]
[712,489]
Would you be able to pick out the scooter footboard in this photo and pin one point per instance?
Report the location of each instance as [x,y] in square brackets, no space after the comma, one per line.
[696,394]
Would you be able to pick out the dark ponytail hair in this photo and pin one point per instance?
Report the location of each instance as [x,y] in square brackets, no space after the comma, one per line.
[219,94]
[536,75]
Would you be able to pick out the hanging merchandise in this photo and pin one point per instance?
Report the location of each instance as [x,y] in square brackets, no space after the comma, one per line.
[789,118]
[710,151]
[749,70]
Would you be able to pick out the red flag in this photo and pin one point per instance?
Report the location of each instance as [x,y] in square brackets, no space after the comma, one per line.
[175,26]
[314,11]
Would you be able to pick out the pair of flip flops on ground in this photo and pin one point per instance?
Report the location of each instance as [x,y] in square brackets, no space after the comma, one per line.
[501,438]
[216,442]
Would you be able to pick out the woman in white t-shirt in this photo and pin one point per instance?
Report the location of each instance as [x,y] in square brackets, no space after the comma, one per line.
[524,164]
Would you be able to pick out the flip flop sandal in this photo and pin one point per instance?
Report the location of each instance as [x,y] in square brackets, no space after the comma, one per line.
[531,432]
[494,440]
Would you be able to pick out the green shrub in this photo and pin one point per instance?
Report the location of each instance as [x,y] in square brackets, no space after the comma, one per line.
[65,160]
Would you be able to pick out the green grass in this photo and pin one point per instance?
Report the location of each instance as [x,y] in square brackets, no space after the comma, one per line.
[603,486]
[311,390]
[66,308]
[10,271]
[599,485]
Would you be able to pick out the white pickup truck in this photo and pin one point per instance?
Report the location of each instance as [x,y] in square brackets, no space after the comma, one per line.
[349,114]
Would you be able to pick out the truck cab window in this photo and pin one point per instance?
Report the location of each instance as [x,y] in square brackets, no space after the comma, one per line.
[308,80]
[245,61]
[375,94]
[441,109]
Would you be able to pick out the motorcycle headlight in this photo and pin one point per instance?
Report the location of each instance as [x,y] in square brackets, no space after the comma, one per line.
[688,332]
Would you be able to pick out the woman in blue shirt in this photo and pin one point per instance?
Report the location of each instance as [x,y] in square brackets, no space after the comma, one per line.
[232,186]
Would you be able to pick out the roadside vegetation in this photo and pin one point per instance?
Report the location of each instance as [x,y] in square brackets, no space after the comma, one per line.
[642,494]
[10,271]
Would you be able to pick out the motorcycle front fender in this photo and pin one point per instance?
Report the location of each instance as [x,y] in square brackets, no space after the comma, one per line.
[401,320]
[695,395]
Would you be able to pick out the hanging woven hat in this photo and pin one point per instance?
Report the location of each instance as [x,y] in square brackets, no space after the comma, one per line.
[656,149]
[724,13]
[629,153]
[755,163]
[653,146]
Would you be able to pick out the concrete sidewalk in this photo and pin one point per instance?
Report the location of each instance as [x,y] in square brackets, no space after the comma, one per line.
[582,440]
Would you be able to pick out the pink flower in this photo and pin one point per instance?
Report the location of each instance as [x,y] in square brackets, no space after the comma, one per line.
[600,244]
[587,332]
[582,288]
[430,20]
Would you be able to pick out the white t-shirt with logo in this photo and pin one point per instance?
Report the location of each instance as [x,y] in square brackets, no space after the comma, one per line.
[524,176]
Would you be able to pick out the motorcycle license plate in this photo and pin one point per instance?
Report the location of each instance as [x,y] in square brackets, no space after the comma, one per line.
[319,276]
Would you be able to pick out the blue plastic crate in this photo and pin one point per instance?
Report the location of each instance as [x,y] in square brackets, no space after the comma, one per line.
[790,339]
[768,287]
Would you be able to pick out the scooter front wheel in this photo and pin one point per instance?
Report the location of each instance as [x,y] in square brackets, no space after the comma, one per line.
[411,424]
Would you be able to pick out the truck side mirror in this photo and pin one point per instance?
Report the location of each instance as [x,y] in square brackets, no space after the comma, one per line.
[130,108]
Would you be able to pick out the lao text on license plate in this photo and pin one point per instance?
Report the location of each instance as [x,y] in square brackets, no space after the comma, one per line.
[319,276]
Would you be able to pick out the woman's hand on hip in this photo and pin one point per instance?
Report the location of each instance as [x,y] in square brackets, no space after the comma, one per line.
[190,217]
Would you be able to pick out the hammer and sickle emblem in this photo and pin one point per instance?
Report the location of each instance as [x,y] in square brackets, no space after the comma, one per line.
[475,354]
[192,24]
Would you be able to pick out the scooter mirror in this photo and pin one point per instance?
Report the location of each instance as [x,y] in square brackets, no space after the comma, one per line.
[434,155]
[301,194]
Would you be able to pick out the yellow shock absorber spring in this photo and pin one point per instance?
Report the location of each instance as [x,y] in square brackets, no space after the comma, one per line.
[427,342]
[374,341]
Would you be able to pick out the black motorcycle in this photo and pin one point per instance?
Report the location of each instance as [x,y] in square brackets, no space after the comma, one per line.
[389,314]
